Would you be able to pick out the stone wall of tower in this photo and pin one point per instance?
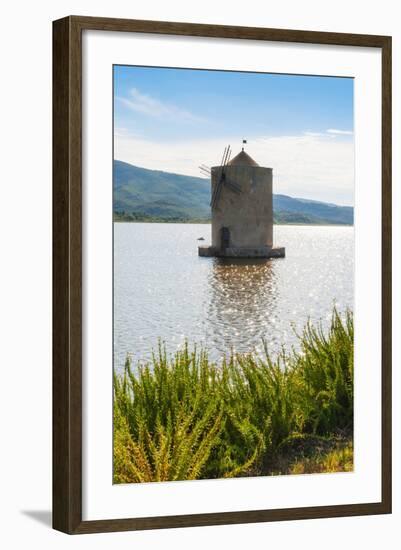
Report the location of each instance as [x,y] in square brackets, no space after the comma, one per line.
[248,215]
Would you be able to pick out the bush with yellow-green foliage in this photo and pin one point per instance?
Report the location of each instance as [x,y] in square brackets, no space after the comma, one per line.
[341,459]
[185,417]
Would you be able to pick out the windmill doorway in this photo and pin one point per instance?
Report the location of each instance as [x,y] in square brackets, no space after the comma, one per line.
[224,238]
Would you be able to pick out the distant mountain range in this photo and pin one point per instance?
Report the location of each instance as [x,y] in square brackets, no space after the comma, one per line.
[152,195]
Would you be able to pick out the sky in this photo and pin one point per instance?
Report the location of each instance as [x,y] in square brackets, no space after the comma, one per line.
[301,126]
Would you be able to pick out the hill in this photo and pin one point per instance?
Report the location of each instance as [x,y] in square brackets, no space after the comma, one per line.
[285,208]
[153,195]
[159,194]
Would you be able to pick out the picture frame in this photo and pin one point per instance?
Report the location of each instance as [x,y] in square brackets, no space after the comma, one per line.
[68,295]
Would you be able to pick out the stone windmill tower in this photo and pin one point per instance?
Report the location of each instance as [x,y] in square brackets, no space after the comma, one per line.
[242,209]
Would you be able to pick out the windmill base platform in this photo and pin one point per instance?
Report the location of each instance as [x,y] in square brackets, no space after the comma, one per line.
[232,252]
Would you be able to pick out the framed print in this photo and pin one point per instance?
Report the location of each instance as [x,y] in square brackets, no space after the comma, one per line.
[221,275]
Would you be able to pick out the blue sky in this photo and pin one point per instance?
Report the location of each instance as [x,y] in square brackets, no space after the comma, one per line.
[301,126]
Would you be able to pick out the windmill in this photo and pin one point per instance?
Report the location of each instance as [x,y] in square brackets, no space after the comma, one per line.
[223,180]
[242,225]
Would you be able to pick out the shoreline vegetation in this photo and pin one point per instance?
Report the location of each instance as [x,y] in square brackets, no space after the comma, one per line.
[122,217]
[185,417]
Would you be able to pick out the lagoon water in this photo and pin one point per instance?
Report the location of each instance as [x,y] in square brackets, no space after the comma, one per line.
[164,290]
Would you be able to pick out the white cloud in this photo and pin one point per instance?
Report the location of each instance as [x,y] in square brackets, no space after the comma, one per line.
[309,166]
[339,132]
[148,105]
[313,134]
[124,132]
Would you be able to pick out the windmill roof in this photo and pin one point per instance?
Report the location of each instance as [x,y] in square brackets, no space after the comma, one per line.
[242,159]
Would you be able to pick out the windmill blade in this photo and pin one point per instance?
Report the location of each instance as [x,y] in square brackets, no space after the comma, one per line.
[226,156]
[216,194]
[234,187]
[205,170]
[217,190]
[229,155]
[232,184]
[223,163]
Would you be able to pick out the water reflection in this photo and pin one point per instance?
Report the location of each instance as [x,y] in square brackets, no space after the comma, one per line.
[163,289]
[242,295]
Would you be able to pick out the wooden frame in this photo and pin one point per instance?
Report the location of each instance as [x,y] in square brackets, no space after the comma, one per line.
[67,274]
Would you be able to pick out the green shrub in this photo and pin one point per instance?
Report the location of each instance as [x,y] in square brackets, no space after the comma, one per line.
[185,417]
[325,369]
